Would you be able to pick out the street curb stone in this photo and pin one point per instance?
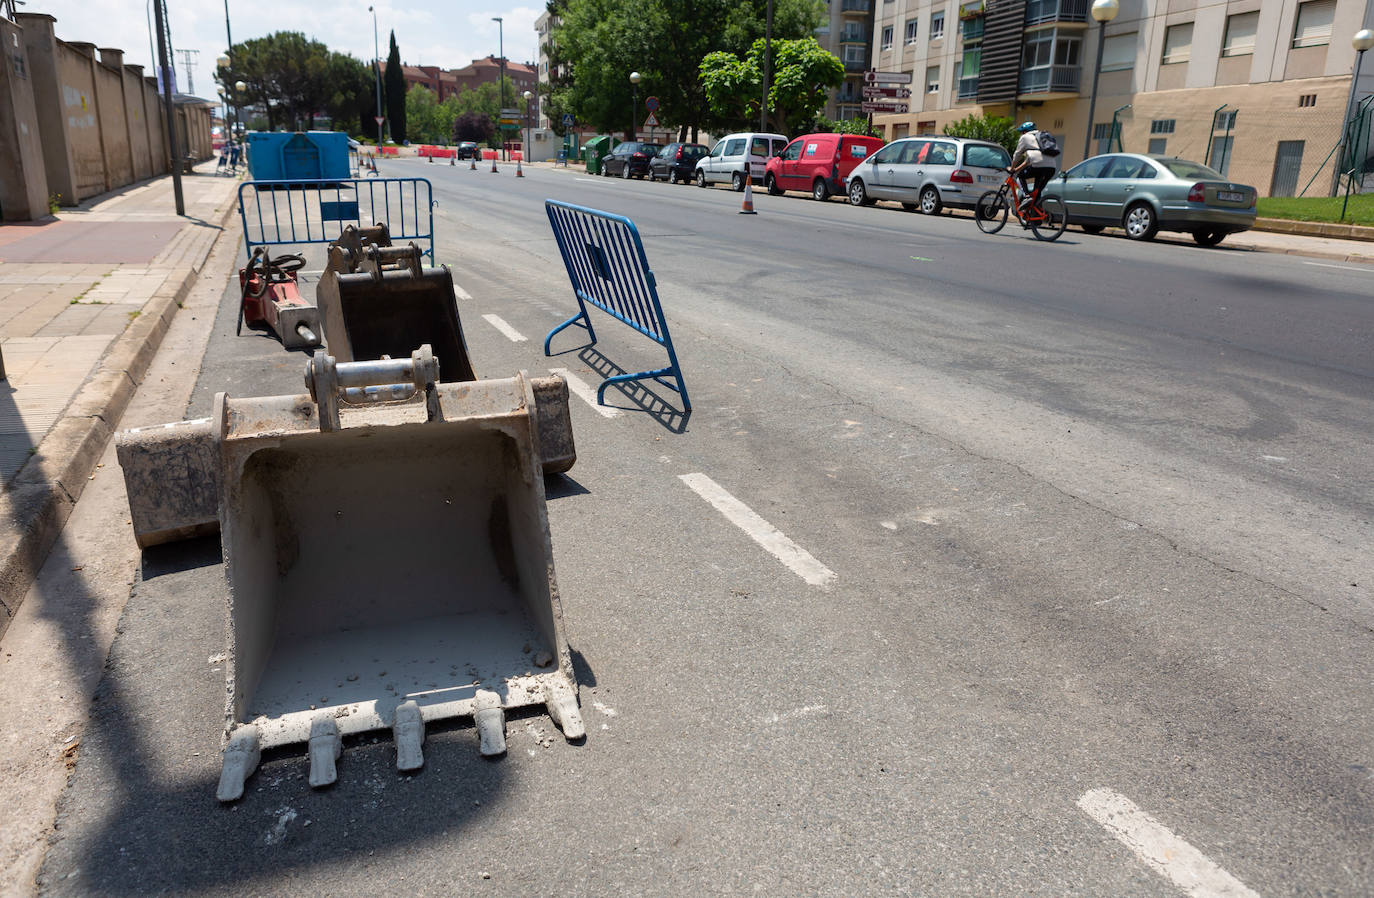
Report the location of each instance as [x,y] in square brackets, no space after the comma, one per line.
[44,492]
[1315,229]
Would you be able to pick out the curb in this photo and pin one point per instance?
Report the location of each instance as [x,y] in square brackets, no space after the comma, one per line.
[45,490]
[1315,229]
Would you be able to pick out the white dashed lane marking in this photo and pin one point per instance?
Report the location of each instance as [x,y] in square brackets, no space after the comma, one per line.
[500,324]
[579,388]
[797,559]
[1160,849]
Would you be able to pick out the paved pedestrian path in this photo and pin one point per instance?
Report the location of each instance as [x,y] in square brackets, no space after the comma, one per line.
[84,300]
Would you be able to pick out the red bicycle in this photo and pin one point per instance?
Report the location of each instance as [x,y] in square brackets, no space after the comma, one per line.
[1046,219]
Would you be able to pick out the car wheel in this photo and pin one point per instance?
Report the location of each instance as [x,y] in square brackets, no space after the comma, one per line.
[930,201]
[772,184]
[1092,229]
[672,176]
[857,195]
[625,172]
[701,178]
[1208,238]
[820,191]
[737,182]
[1140,222]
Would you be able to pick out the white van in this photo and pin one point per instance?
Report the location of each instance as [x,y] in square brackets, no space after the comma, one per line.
[734,154]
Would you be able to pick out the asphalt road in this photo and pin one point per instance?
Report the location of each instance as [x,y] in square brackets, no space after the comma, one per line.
[1096,517]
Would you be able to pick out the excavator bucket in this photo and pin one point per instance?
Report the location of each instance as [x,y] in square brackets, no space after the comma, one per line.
[377,301]
[389,565]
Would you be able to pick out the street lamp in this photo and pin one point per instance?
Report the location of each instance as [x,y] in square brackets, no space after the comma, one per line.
[377,68]
[1361,41]
[1103,12]
[222,63]
[501,48]
[527,95]
[634,103]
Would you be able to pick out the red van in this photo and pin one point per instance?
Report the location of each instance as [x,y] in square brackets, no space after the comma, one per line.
[818,163]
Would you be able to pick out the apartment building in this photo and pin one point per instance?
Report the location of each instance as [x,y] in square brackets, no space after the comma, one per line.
[846,31]
[1257,90]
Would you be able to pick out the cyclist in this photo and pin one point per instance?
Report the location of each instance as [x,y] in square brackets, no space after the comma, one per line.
[1029,162]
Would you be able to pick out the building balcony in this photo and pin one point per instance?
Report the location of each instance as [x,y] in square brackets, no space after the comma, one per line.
[857,65]
[968,88]
[1038,12]
[1050,79]
[855,7]
[969,8]
[853,36]
[972,29]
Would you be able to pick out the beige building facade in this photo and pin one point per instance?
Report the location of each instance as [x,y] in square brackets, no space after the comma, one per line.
[1259,90]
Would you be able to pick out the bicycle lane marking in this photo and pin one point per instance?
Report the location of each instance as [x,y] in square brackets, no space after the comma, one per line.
[1160,849]
[770,538]
[583,391]
[506,330]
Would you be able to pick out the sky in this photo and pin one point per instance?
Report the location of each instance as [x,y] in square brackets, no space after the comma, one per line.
[446,33]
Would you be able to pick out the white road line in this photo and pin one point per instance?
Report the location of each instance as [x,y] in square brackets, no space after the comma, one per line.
[585,393]
[1160,849]
[461,293]
[509,332]
[760,531]
[1341,267]
[593,180]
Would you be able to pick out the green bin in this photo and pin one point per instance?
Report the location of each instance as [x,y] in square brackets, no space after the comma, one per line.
[596,149]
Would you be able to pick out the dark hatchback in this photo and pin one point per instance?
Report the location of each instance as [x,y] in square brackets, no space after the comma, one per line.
[629,159]
[676,162]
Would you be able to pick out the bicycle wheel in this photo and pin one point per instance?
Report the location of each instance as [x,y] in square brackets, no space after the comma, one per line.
[1055,221]
[991,211]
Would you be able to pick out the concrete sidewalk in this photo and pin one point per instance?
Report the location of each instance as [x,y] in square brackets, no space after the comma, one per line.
[85,298]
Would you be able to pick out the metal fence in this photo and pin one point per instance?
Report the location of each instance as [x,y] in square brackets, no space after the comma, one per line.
[286,212]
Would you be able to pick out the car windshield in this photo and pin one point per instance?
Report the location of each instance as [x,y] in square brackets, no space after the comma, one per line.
[1182,168]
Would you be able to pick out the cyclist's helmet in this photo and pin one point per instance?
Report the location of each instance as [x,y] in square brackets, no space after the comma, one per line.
[1025,126]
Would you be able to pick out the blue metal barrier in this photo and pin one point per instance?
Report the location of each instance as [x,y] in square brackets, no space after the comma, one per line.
[285,212]
[606,264]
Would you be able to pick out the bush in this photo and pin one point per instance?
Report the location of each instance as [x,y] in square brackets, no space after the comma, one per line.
[993,128]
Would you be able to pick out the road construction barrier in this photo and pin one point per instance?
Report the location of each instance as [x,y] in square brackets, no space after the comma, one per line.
[390,567]
[605,261]
[276,213]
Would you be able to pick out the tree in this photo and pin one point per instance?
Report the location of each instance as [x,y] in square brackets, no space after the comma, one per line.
[293,79]
[994,128]
[802,71]
[474,126]
[852,126]
[428,120]
[395,92]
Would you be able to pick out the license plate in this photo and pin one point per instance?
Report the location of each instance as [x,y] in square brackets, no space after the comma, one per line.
[1230,196]
[987,179]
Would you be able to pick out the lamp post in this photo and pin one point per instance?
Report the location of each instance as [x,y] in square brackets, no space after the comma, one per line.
[226,59]
[222,63]
[767,65]
[1103,12]
[634,103]
[377,68]
[1362,41]
[526,151]
[501,48]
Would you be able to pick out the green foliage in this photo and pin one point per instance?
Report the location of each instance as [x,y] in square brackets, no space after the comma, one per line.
[292,79]
[802,71]
[993,128]
[1359,211]
[394,86]
[476,127]
[852,126]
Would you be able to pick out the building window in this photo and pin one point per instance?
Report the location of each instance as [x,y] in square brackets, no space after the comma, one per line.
[1162,126]
[932,79]
[887,38]
[937,25]
[1307,100]
[1313,27]
[1118,52]
[911,31]
[1240,34]
[1224,121]
[854,54]
[925,128]
[1178,43]
[1157,145]
[1102,137]
[1221,153]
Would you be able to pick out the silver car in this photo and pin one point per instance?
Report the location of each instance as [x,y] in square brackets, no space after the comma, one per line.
[929,173]
[1145,194]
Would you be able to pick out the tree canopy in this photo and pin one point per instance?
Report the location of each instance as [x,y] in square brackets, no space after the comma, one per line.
[994,128]
[395,87]
[294,79]
[802,71]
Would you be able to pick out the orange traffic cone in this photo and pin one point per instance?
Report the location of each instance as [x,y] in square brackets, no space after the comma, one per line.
[453,160]
[748,207]
[493,165]
[473,160]
[518,172]
[431,158]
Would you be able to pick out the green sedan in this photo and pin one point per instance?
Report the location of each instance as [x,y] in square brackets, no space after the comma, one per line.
[1144,194]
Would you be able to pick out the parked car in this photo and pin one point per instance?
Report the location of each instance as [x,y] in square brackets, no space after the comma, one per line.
[676,162]
[929,173]
[1145,194]
[818,163]
[467,149]
[629,159]
[736,156]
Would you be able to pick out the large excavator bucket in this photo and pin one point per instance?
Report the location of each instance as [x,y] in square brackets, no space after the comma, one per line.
[388,566]
[377,301]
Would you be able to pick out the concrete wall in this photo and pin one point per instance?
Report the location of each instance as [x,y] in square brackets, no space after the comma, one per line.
[23,187]
[76,79]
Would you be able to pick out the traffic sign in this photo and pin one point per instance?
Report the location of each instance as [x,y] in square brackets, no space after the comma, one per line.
[509,120]
[512,112]
[379,119]
[874,93]
[885,108]
[651,122]
[568,120]
[872,77]
[510,126]
[651,104]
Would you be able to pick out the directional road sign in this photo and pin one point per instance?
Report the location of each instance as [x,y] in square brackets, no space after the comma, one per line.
[885,108]
[872,77]
[874,93]
[512,113]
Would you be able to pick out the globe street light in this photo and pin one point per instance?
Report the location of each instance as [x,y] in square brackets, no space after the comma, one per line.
[501,48]
[377,68]
[634,103]
[1103,12]
[222,63]
[526,152]
[1361,41]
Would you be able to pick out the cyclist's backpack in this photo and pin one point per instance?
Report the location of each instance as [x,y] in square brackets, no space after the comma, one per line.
[1048,145]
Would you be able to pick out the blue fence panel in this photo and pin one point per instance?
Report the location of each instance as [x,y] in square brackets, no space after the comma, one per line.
[285,212]
[608,269]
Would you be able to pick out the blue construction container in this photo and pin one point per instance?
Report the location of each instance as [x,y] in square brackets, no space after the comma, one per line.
[299,156]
